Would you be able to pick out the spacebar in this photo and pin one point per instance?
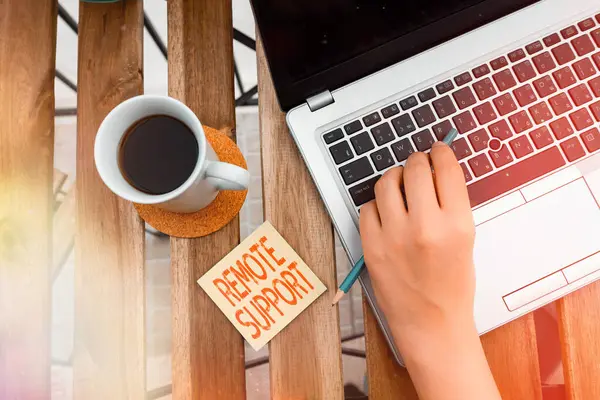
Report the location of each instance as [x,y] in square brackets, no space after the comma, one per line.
[515,176]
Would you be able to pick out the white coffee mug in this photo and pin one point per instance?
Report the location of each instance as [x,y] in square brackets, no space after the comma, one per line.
[208,177]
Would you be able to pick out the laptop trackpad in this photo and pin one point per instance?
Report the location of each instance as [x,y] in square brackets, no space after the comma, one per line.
[537,239]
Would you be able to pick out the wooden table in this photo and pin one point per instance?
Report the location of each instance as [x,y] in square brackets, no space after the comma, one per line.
[208,354]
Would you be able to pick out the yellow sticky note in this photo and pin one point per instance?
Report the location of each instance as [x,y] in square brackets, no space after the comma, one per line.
[262,285]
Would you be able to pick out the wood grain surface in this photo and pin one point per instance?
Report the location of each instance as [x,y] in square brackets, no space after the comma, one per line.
[208,353]
[27,57]
[305,358]
[109,355]
[579,328]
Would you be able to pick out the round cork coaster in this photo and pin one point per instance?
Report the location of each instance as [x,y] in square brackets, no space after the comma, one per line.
[211,218]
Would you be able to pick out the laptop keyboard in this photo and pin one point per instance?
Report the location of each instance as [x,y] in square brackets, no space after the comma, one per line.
[519,117]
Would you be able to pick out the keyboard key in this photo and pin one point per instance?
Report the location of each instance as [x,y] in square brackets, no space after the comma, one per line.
[390,111]
[583,45]
[586,24]
[504,79]
[441,130]
[564,77]
[364,191]
[444,107]
[505,104]
[362,143]
[481,71]
[464,97]
[463,79]
[561,128]
[569,32]
[595,108]
[598,18]
[464,122]
[500,130]
[353,127]
[479,140]
[461,149]
[525,95]
[484,113]
[584,68]
[580,95]
[595,86]
[544,62]
[572,149]
[501,157]
[544,86]
[596,36]
[372,119]
[551,40]
[423,115]
[514,176]
[403,125]
[445,87]
[596,58]
[541,137]
[409,102]
[563,53]
[524,71]
[402,149]
[560,103]
[341,152]
[426,94]
[521,146]
[468,177]
[484,88]
[581,119]
[591,139]
[423,140]
[382,159]
[516,55]
[534,47]
[356,170]
[480,165]
[383,134]
[540,112]
[520,121]
[498,63]
[333,136]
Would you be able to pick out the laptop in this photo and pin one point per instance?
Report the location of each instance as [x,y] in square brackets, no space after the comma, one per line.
[365,83]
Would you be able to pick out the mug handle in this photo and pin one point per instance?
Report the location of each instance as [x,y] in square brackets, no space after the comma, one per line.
[227,176]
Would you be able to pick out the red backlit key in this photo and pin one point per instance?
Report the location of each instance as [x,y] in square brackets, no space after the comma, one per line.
[484,88]
[534,47]
[461,149]
[516,55]
[521,146]
[479,140]
[595,109]
[480,165]
[498,63]
[480,71]
[584,68]
[560,103]
[596,58]
[524,71]
[444,106]
[544,62]
[468,177]
[541,137]
[572,149]
[463,78]
[500,130]
[484,113]
[544,86]
[581,119]
[569,32]
[561,128]
[525,95]
[580,94]
[505,104]
[595,86]
[596,36]
[563,53]
[464,97]
[591,139]
[441,130]
[586,24]
[501,157]
[598,18]
[583,45]
[520,121]
[564,77]
[540,112]
[504,79]
[464,122]
[551,40]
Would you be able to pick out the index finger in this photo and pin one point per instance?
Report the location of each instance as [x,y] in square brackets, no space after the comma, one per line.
[449,179]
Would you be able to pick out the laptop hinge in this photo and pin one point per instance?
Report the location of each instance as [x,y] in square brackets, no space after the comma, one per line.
[320,100]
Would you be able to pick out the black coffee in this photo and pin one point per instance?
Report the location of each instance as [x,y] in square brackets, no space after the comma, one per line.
[158,154]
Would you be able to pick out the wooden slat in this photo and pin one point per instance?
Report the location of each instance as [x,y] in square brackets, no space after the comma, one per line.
[208,353]
[63,232]
[511,351]
[109,358]
[579,327]
[27,54]
[305,358]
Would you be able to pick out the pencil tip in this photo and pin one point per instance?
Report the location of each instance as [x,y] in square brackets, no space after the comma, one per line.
[338,296]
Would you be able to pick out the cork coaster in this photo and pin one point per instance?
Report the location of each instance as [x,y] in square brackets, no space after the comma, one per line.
[211,218]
